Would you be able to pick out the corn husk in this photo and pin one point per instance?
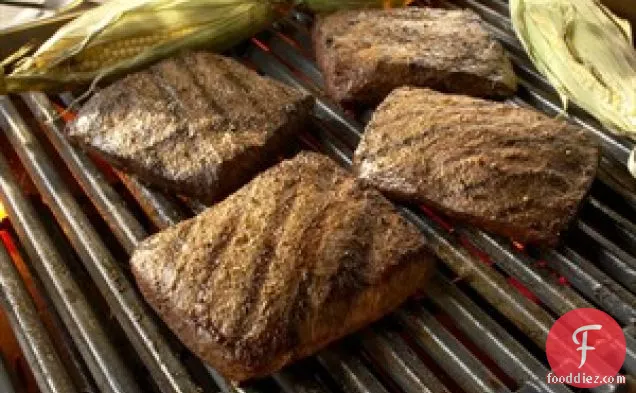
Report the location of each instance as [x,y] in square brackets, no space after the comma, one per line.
[214,24]
[124,28]
[586,53]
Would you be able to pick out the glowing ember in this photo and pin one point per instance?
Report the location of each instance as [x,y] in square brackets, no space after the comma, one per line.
[519,246]
[523,290]
[66,114]
[260,44]
[389,3]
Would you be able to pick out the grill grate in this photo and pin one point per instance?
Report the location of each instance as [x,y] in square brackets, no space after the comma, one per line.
[477,332]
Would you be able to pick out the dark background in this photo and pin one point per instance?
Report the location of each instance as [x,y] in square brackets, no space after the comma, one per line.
[624,8]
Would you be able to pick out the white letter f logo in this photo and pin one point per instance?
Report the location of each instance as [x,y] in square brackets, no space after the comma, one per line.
[584,348]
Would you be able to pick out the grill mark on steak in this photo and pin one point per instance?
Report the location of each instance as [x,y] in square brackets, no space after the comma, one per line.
[186,126]
[427,139]
[365,54]
[175,105]
[268,249]
[245,98]
[337,257]
[508,170]
[170,95]
[189,68]
[247,89]
[350,274]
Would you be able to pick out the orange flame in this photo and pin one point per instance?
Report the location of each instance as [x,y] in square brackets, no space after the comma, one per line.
[67,115]
[389,3]
[3,213]
[519,246]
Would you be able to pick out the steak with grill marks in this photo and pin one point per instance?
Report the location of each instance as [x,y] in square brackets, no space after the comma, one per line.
[506,169]
[299,257]
[365,54]
[199,124]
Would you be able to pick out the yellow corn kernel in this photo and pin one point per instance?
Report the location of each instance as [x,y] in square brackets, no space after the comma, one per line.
[98,56]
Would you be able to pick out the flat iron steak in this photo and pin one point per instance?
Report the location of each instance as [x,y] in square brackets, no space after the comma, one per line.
[365,54]
[299,257]
[506,169]
[198,124]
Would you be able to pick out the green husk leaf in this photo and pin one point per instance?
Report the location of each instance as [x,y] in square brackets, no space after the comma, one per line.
[217,35]
[216,25]
[586,53]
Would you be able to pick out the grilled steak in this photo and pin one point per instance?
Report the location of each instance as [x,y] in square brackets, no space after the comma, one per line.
[366,54]
[199,124]
[508,170]
[299,257]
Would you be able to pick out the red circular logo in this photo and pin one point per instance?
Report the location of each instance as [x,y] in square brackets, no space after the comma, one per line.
[586,348]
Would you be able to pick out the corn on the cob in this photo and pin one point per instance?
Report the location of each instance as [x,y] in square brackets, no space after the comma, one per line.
[122,35]
[586,53]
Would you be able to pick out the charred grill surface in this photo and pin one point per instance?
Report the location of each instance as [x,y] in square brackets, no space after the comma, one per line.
[200,124]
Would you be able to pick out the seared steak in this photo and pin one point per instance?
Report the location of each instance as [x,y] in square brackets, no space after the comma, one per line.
[508,170]
[366,54]
[299,257]
[199,124]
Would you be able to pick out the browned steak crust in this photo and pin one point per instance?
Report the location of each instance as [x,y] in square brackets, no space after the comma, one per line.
[365,54]
[299,257]
[199,124]
[508,170]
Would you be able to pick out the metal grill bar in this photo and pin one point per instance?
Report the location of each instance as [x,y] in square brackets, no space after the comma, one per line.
[349,371]
[594,284]
[389,350]
[617,268]
[628,260]
[107,201]
[618,182]
[35,342]
[108,369]
[626,227]
[509,355]
[279,43]
[125,303]
[297,379]
[156,205]
[527,316]
[469,373]
[225,385]
[559,298]
[5,380]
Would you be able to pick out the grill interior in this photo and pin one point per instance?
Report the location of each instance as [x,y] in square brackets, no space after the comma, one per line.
[481,326]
